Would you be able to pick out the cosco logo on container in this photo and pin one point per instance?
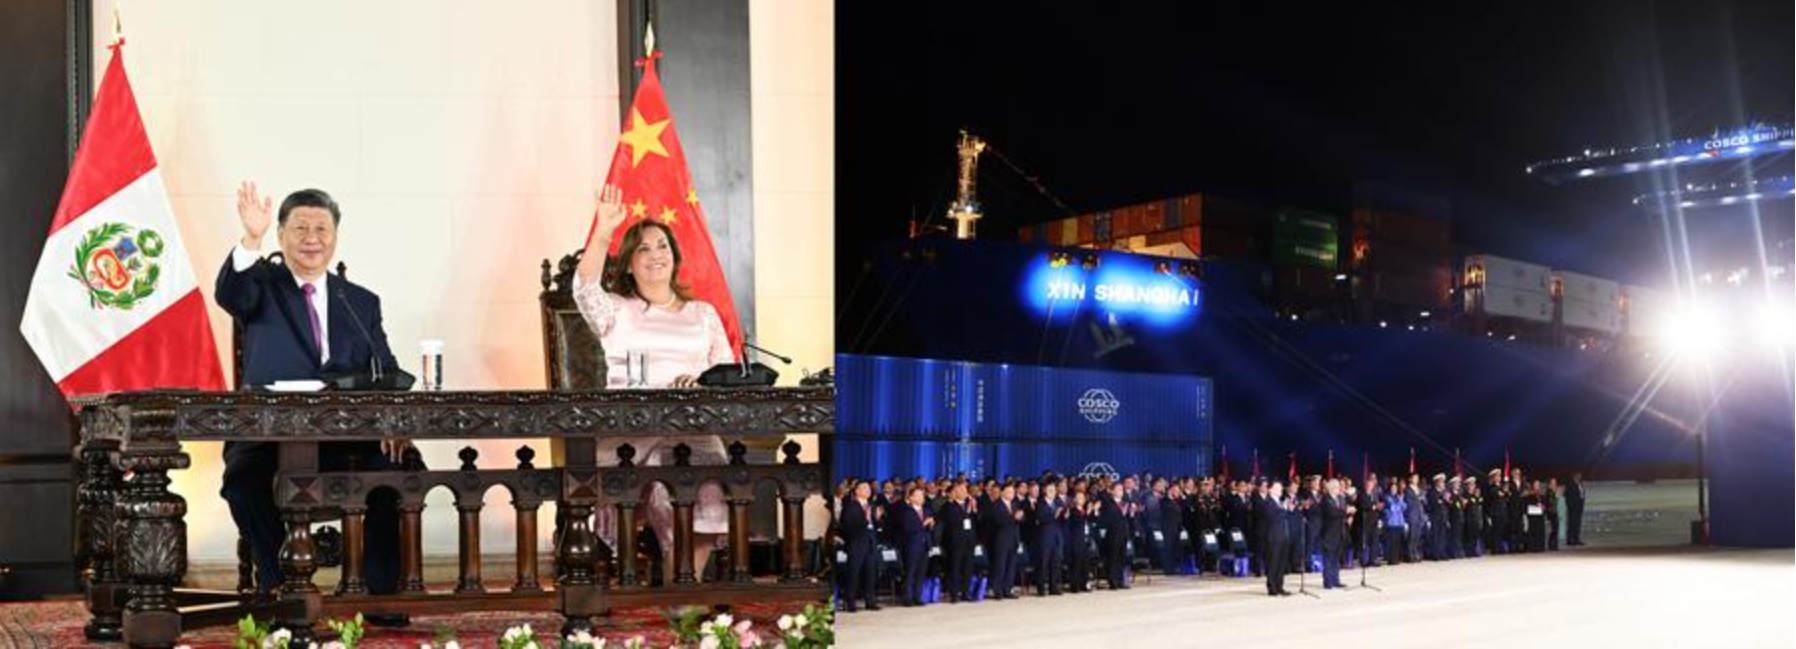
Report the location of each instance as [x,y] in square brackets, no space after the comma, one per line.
[1098,405]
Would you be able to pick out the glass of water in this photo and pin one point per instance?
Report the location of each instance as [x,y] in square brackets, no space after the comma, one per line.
[431,365]
[636,368]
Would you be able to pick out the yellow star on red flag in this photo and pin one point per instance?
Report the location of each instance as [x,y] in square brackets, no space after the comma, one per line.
[643,138]
[667,215]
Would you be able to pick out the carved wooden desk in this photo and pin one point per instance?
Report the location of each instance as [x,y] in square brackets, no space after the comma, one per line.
[133,542]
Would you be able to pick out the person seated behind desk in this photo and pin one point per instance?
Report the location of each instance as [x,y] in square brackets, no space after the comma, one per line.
[302,323]
[635,303]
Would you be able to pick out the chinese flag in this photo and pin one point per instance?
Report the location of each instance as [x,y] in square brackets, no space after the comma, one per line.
[1293,472]
[649,168]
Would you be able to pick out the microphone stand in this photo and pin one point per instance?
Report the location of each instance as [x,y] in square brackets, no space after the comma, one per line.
[1366,555]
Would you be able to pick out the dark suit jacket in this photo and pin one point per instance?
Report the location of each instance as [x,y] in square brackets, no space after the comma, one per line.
[856,527]
[1274,526]
[951,520]
[909,532]
[1332,512]
[277,335]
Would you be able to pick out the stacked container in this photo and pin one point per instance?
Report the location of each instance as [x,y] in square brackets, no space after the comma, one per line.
[1497,287]
[1305,256]
[1589,304]
[1400,262]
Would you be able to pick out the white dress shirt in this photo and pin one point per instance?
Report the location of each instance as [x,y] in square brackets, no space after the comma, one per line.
[242,259]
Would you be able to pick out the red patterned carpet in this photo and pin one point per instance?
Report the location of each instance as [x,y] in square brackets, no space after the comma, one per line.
[58,624]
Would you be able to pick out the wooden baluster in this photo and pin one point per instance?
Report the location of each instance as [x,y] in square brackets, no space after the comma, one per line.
[793,539]
[682,522]
[527,582]
[526,508]
[411,547]
[469,512]
[739,539]
[153,545]
[626,545]
[98,498]
[470,548]
[355,543]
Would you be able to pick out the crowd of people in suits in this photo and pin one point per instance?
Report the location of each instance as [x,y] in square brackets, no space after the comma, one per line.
[956,540]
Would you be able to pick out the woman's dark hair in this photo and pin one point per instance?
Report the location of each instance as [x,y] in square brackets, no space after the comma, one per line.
[311,198]
[617,269]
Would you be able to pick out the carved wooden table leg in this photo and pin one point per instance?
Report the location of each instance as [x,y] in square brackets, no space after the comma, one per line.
[299,561]
[355,551]
[153,549]
[582,596]
[739,539]
[793,539]
[298,491]
[98,498]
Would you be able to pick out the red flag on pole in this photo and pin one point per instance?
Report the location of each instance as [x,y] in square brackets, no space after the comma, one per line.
[1505,463]
[1412,460]
[1293,471]
[114,304]
[1458,468]
[1225,464]
[649,168]
[1331,464]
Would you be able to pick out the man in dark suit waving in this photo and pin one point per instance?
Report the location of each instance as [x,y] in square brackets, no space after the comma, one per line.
[302,323]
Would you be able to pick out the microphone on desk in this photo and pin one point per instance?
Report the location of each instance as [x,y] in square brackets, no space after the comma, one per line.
[746,373]
[377,377]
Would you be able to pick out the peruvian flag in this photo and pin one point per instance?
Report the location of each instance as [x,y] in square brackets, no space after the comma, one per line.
[114,304]
[649,169]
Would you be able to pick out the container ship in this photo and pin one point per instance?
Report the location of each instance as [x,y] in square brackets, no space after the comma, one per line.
[1324,342]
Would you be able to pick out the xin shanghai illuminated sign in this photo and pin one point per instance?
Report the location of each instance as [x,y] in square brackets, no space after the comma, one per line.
[1062,284]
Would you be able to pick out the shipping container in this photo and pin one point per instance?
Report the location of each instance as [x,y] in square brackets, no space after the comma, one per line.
[1386,255]
[1302,281]
[1087,230]
[1103,227]
[887,397]
[1508,302]
[1592,316]
[1153,217]
[1182,211]
[1230,244]
[1648,310]
[1404,229]
[1491,270]
[1231,214]
[979,460]
[1304,225]
[1068,232]
[1586,288]
[1427,291]
[1316,254]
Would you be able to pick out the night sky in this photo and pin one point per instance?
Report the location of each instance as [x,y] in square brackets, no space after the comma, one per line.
[1291,103]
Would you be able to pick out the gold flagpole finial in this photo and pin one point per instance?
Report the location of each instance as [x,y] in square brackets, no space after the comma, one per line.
[648,39]
[118,26]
